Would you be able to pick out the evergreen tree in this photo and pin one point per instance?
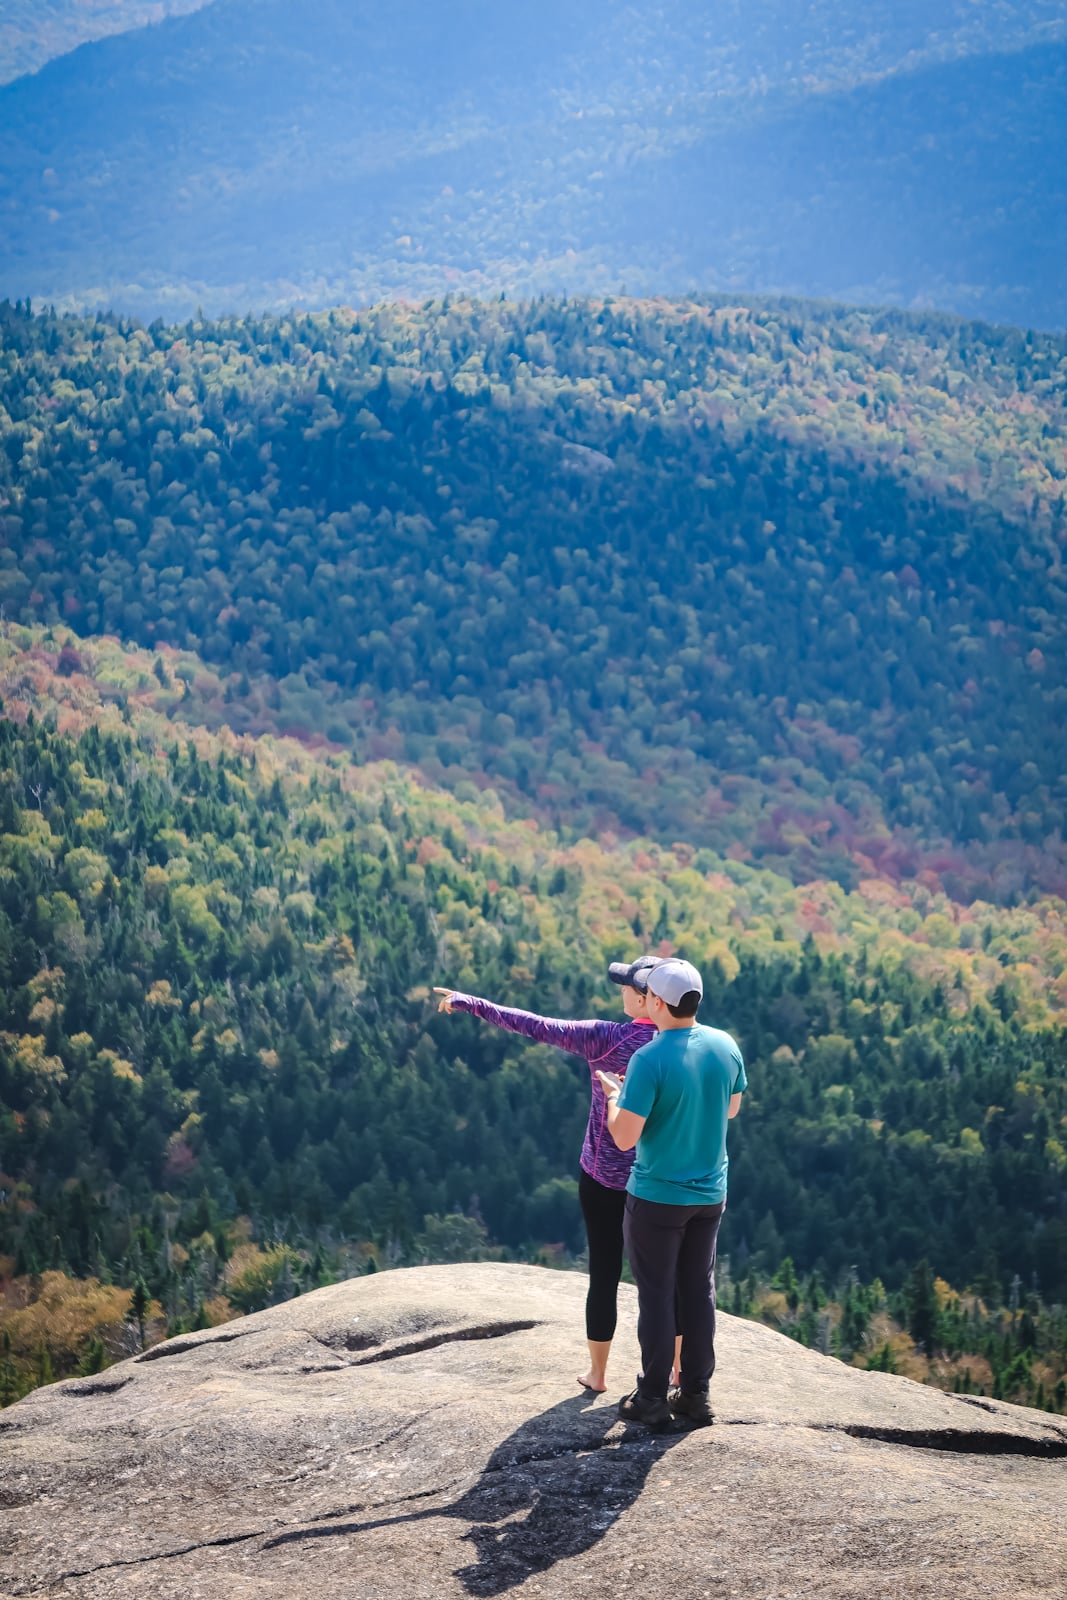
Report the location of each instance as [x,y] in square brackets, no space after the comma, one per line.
[138,1310]
[922,1308]
[8,1383]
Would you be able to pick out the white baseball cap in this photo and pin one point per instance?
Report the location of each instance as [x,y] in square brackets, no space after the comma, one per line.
[674,979]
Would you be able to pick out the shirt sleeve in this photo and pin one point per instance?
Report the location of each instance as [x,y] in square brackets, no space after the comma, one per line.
[590,1040]
[740,1077]
[639,1087]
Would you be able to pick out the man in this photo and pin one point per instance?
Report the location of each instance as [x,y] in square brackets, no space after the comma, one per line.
[681,1090]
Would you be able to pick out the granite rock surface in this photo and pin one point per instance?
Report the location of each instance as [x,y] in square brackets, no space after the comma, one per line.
[420,1433]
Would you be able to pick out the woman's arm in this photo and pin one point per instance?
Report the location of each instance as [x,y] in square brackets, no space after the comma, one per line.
[590,1040]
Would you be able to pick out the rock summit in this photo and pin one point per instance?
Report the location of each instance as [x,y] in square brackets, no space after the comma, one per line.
[420,1434]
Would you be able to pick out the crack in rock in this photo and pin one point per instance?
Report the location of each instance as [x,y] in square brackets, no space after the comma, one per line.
[388,1352]
[961,1440]
[224,1540]
[179,1347]
[307,1369]
[140,1561]
[410,1347]
[397,1432]
[313,1529]
[97,1386]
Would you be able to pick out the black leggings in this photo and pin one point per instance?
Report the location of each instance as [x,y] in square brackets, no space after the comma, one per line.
[603,1210]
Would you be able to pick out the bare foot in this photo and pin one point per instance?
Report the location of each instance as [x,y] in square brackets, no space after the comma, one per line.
[589,1382]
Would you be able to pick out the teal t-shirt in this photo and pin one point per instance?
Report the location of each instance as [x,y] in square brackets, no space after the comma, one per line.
[682,1082]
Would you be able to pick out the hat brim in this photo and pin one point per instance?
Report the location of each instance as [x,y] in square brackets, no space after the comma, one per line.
[633,974]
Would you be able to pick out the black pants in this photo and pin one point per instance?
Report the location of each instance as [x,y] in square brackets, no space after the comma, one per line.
[603,1210]
[672,1251]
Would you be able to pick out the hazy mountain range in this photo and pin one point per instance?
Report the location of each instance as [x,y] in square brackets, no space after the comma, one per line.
[254,153]
[34,31]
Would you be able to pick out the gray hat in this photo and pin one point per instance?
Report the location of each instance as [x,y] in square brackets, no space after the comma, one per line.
[633,974]
[672,980]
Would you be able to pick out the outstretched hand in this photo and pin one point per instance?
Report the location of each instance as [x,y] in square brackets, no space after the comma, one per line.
[445,1002]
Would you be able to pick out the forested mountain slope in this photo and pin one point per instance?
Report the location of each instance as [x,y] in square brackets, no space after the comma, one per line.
[253,153]
[774,578]
[215,961]
[34,31]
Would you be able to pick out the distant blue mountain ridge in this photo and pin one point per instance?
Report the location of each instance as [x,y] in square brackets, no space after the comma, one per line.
[248,156]
[35,31]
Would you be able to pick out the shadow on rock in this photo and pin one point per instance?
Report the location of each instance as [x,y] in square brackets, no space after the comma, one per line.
[573,1470]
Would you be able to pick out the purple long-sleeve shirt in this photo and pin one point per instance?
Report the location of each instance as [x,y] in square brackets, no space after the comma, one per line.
[606,1046]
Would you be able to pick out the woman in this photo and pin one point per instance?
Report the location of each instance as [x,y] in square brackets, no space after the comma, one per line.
[604,1168]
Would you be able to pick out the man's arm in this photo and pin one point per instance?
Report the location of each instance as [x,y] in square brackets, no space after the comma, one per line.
[624,1126]
[735,1106]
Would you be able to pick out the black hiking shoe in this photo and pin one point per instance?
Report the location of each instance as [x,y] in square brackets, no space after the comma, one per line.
[693,1407]
[638,1407]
